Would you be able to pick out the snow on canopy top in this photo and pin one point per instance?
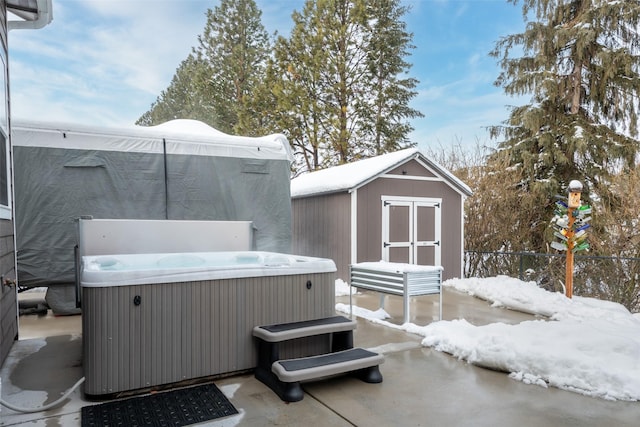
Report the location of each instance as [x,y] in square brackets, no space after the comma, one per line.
[182,136]
[188,126]
[356,174]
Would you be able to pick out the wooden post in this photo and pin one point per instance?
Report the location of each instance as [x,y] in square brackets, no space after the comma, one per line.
[570,245]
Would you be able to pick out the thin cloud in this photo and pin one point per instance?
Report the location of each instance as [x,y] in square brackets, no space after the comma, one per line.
[104,62]
[131,50]
[473,114]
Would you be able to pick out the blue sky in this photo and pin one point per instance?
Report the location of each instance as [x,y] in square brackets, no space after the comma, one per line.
[103,62]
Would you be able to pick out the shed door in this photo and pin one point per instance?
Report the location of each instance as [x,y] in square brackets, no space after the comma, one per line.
[411,230]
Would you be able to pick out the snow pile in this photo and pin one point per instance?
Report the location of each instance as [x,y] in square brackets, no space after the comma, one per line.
[343,288]
[587,346]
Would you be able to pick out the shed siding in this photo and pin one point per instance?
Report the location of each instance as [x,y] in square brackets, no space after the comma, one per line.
[8,298]
[370,217]
[321,227]
[412,168]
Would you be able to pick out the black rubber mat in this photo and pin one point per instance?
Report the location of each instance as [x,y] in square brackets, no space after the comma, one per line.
[174,408]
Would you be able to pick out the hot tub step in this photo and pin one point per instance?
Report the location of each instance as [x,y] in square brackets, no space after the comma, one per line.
[287,374]
[271,337]
[314,367]
[284,376]
[293,330]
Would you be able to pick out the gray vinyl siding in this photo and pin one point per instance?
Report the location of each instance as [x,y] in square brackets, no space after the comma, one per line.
[183,331]
[412,168]
[321,227]
[8,299]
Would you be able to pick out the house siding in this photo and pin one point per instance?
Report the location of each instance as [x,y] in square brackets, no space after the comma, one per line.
[8,298]
[321,227]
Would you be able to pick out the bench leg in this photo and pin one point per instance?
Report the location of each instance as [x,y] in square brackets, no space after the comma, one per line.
[406,303]
[370,375]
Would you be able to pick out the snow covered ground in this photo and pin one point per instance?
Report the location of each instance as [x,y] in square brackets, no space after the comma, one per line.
[583,345]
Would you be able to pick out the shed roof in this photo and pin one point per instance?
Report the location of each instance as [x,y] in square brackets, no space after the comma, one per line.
[351,176]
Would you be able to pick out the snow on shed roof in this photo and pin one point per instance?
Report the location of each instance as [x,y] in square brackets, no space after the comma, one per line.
[351,176]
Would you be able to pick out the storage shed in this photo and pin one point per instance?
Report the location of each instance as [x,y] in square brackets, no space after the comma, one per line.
[397,207]
[181,170]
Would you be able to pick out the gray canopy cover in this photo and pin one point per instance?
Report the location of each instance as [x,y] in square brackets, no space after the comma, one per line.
[181,170]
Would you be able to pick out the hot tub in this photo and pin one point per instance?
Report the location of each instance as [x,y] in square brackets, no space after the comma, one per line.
[155,319]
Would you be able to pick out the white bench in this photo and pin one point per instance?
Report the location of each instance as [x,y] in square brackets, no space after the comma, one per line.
[283,376]
[405,280]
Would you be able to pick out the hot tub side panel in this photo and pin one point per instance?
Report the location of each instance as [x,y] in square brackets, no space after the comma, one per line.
[180,331]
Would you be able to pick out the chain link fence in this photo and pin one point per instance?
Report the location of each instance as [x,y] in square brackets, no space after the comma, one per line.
[614,279]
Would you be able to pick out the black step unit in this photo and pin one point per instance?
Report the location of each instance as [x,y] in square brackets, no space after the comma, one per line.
[288,373]
[284,376]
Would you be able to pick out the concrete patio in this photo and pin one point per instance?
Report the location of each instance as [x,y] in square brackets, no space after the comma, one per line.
[421,387]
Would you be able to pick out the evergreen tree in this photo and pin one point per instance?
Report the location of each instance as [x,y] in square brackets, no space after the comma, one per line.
[580,61]
[228,65]
[387,128]
[236,46]
[185,96]
[314,83]
[332,94]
